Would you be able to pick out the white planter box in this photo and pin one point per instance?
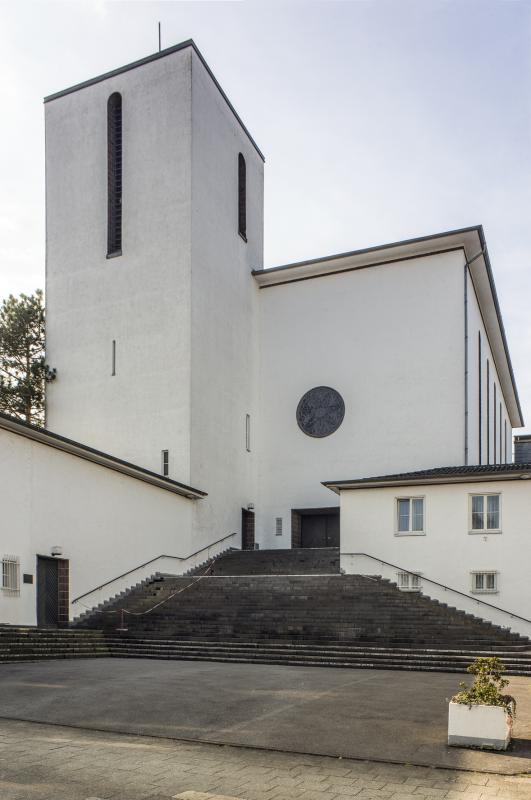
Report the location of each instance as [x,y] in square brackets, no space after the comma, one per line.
[488,727]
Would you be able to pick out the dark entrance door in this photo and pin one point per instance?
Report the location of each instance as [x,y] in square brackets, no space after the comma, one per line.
[247,529]
[47,591]
[320,529]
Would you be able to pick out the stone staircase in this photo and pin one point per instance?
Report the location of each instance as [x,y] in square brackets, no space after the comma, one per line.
[279,607]
[24,643]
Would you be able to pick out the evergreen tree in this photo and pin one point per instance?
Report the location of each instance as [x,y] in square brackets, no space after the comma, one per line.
[23,372]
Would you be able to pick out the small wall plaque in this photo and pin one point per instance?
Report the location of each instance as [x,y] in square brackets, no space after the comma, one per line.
[27,578]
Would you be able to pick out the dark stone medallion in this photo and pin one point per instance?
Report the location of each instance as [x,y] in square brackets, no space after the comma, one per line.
[320,412]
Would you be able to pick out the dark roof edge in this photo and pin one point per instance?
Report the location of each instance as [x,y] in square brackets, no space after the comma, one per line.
[147,60]
[79,450]
[499,316]
[446,475]
[367,250]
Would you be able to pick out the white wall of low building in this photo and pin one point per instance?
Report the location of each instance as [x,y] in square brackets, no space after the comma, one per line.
[390,340]
[105,522]
[140,299]
[447,552]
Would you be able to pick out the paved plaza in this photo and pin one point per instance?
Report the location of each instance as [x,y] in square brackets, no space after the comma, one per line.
[42,762]
[131,728]
[391,716]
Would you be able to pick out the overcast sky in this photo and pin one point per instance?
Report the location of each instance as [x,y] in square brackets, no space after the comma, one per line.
[379,120]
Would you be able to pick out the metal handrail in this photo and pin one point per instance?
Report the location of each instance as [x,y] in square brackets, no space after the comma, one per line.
[151,560]
[442,585]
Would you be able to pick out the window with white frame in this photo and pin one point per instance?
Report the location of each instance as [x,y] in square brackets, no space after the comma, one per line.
[485,512]
[410,515]
[11,573]
[484,582]
[409,581]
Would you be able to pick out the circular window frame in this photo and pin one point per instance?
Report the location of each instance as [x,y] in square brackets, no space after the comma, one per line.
[301,401]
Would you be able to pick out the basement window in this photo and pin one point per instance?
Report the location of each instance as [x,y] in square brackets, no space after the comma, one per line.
[485,513]
[11,573]
[409,516]
[408,582]
[484,582]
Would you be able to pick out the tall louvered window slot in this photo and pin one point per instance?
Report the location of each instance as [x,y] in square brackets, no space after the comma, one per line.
[242,197]
[114,175]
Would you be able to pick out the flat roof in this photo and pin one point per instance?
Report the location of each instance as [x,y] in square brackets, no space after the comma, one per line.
[147,60]
[437,475]
[43,436]
[470,240]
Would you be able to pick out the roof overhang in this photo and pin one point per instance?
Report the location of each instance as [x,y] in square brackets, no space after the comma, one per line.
[521,472]
[78,450]
[470,240]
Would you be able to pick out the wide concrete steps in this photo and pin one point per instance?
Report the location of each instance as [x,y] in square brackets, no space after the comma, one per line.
[41,644]
[318,561]
[338,655]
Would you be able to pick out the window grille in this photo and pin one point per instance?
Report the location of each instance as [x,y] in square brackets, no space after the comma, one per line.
[166,462]
[242,197]
[485,512]
[114,174]
[278,526]
[408,582]
[484,582]
[11,573]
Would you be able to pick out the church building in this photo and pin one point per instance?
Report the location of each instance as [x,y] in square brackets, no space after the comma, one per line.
[364,400]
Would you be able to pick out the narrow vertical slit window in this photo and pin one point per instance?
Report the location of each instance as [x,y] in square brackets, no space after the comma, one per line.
[248,432]
[494,421]
[488,413]
[242,197]
[500,428]
[506,455]
[113,357]
[165,462]
[278,526]
[114,175]
[479,398]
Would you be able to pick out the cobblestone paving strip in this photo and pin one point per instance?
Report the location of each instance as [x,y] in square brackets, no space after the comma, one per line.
[41,762]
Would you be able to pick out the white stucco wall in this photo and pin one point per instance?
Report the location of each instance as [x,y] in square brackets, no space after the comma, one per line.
[224,309]
[390,339]
[447,553]
[105,522]
[489,452]
[140,299]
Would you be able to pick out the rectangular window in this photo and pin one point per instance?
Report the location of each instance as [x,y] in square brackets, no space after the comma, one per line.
[484,582]
[113,358]
[410,515]
[11,573]
[408,582]
[278,526]
[166,462]
[248,432]
[485,512]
